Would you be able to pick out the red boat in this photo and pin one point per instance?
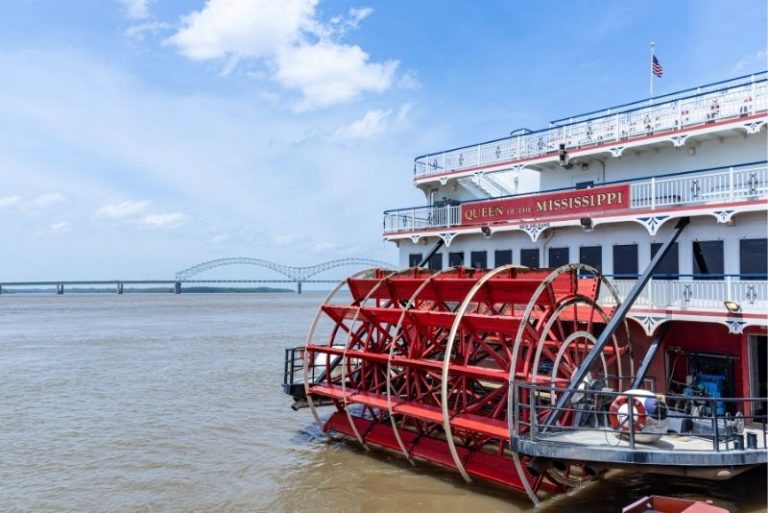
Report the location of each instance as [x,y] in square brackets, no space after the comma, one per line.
[659,504]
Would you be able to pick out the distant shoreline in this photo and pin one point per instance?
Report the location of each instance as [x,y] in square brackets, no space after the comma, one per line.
[149,290]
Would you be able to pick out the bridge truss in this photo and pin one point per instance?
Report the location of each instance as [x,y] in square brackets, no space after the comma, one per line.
[296,274]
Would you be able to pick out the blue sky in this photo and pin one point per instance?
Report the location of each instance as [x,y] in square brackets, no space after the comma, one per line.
[139,137]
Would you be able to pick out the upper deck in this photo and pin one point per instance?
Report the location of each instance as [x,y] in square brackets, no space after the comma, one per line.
[659,198]
[674,117]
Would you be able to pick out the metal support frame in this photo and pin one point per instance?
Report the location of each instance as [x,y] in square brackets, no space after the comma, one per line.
[649,355]
[612,326]
[431,252]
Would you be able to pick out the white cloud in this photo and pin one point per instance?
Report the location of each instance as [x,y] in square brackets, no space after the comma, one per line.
[9,201]
[60,227]
[163,221]
[373,123]
[409,81]
[121,210]
[327,73]
[139,31]
[136,9]
[302,53]
[250,28]
[288,239]
[752,62]
[329,247]
[343,24]
[46,200]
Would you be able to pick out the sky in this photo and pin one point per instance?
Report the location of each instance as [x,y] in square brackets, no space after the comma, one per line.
[140,137]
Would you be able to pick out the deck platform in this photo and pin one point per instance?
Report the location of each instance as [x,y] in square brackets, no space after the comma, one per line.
[600,445]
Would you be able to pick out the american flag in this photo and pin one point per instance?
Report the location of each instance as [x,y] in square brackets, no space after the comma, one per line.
[656,67]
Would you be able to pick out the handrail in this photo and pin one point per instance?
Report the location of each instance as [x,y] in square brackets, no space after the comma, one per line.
[741,98]
[677,95]
[602,184]
[723,430]
[732,184]
[750,294]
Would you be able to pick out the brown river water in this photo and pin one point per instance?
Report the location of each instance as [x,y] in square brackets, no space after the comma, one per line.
[153,402]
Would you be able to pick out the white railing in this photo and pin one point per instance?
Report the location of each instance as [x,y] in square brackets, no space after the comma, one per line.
[745,96]
[717,186]
[407,220]
[687,293]
[733,184]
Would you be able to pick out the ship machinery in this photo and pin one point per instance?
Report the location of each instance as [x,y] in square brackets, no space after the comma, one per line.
[540,379]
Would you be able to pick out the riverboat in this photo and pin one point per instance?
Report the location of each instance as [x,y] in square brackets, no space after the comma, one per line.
[584,297]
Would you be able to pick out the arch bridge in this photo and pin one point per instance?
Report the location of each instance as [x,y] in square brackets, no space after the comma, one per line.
[298,275]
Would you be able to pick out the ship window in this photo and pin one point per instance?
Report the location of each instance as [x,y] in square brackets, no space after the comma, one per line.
[435,262]
[502,257]
[708,261]
[529,257]
[625,261]
[414,259]
[456,258]
[558,257]
[479,259]
[753,259]
[669,267]
[591,255]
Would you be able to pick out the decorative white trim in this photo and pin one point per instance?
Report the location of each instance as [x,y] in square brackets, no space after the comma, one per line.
[616,151]
[649,322]
[687,292]
[751,294]
[723,216]
[443,180]
[415,238]
[678,140]
[754,127]
[652,223]
[534,229]
[448,238]
[735,326]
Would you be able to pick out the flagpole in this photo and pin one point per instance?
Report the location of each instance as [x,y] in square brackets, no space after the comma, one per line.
[650,74]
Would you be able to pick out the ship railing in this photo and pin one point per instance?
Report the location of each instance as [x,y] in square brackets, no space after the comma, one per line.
[422,218]
[293,365]
[698,187]
[729,185]
[698,291]
[293,373]
[696,423]
[741,97]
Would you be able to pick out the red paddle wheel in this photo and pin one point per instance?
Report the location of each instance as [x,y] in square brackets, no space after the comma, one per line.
[421,363]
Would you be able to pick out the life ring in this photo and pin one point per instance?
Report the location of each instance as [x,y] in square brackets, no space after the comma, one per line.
[637,411]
